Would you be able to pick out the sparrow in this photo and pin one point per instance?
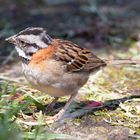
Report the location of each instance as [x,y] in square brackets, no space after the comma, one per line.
[54,66]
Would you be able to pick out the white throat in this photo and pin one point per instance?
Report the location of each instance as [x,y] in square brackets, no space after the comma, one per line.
[21,53]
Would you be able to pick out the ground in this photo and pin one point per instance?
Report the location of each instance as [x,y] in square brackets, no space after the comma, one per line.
[117,88]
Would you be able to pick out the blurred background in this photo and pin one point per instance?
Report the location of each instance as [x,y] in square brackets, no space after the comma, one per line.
[94,24]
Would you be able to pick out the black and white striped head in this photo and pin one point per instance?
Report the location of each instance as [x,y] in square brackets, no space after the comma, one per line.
[30,40]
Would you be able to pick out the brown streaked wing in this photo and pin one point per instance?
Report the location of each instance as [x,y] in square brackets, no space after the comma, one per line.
[76,58]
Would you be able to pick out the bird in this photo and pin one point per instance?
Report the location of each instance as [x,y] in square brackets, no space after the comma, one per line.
[56,67]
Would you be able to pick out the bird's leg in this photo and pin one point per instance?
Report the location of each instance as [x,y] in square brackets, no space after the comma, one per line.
[51,105]
[62,111]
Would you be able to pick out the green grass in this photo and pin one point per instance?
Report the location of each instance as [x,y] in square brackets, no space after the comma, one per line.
[15,106]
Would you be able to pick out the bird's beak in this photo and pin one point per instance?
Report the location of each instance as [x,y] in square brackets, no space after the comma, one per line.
[11,39]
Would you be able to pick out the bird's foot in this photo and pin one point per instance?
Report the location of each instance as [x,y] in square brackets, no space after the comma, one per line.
[55,118]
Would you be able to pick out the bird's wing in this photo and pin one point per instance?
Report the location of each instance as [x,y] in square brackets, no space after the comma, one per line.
[76,58]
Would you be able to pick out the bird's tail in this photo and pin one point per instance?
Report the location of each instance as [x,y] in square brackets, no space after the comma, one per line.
[122,62]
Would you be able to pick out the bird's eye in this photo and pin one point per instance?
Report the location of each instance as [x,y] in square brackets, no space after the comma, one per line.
[22,42]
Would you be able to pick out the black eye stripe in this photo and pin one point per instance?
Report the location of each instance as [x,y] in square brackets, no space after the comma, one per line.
[30,53]
[24,44]
[35,45]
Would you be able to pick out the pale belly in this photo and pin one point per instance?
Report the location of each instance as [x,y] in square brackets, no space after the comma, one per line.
[51,90]
[59,85]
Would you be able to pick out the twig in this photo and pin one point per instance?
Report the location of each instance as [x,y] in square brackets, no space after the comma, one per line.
[9,79]
[81,112]
[134,136]
[29,123]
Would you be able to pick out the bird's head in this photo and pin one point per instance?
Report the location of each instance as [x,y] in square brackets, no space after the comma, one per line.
[30,40]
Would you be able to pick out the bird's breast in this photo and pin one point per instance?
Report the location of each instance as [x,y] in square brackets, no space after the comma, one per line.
[50,77]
